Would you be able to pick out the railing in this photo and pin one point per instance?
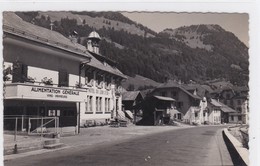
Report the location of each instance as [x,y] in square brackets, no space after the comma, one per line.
[30,125]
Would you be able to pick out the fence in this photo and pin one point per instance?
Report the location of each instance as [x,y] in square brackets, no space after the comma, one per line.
[30,125]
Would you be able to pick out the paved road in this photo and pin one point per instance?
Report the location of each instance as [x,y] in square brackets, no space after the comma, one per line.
[185,147]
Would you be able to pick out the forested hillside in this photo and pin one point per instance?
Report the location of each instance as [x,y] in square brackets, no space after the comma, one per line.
[198,52]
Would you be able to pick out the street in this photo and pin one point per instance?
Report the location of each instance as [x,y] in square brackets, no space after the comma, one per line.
[189,146]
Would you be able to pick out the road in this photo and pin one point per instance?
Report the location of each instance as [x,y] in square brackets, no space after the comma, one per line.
[185,147]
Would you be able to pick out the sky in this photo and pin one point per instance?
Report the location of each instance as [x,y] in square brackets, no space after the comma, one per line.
[237,23]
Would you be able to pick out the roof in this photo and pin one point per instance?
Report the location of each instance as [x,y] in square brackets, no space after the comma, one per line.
[130,95]
[107,68]
[180,86]
[15,25]
[222,106]
[226,108]
[164,98]
[176,85]
[94,35]
[215,103]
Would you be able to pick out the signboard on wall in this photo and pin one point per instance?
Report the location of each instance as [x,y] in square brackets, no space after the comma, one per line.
[45,93]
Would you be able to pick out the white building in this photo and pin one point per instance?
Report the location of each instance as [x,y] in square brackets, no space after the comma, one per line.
[47,74]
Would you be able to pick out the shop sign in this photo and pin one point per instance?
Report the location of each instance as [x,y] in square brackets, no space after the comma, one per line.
[49,93]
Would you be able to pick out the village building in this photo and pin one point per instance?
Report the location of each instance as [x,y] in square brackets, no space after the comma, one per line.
[49,75]
[156,110]
[190,101]
[130,100]
[235,98]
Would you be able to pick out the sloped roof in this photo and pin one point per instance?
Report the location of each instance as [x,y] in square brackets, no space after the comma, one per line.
[222,106]
[15,25]
[130,95]
[180,86]
[215,103]
[226,108]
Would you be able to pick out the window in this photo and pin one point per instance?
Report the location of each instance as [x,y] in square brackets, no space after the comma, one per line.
[231,102]
[232,117]
[106,105]
[239,109]
[108,79]
[179,104]
[100,105]
[97,104]
[99,78]
[20,72]
[196,114]
[174,94]
[63,78]
[239,117]
[88,105]
[238,102]
[163,93]
[88,76]
[228,96]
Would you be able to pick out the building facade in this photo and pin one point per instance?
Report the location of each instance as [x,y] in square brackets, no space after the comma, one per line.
[190,105]
[49,75]
[237,99]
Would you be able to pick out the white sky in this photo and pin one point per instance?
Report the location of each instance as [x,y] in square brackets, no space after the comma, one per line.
[236,23]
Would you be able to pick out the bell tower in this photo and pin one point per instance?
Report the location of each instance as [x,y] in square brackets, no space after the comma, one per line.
[93,42]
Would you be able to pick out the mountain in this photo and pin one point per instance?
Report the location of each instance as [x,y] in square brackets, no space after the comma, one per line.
[197,52]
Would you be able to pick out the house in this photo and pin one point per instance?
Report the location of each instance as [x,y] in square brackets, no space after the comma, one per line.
[236,98]
[214,112]
[130,99]
[190,100]
[48,75]
[156,110]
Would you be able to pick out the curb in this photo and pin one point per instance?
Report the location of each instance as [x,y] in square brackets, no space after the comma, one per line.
[236,148]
